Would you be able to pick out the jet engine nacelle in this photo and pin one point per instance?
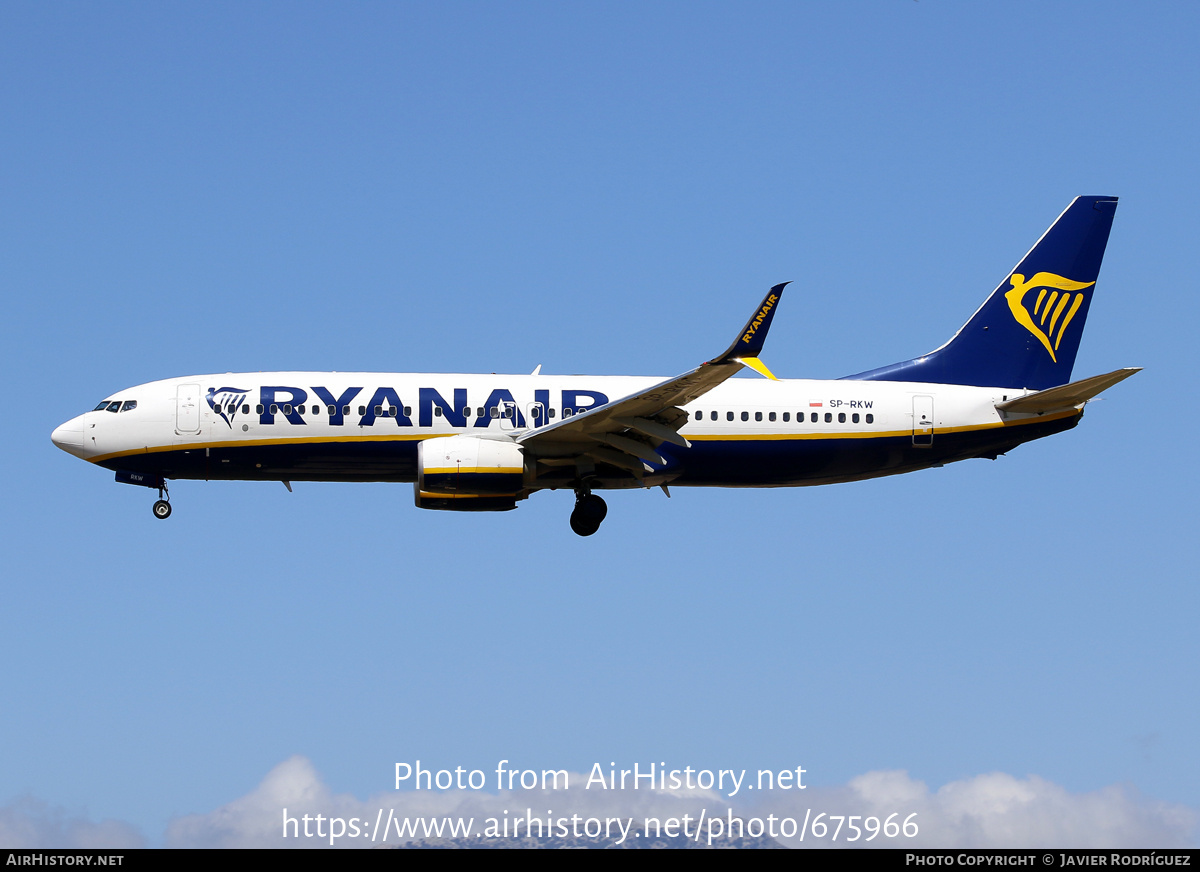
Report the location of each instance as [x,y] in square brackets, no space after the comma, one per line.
[469,474]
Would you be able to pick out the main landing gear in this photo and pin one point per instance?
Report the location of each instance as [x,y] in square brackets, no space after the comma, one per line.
[162,507]
[588,514]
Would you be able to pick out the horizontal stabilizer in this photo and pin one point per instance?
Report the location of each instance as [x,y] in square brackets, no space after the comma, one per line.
[1067,396]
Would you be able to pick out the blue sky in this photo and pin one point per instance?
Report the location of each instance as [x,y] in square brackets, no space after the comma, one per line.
[601,189]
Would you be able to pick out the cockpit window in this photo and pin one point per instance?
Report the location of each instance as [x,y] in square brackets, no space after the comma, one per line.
[116,406]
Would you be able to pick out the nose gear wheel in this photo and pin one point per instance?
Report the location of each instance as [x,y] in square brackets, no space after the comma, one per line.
[162,506]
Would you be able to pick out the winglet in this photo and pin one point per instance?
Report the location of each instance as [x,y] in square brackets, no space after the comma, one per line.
[749,344]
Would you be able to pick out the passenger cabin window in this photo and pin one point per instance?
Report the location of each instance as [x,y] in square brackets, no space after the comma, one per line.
[828,417]
[712,416]
[841,417]
[787,416]
[699,416]
[758,416]
[745,416]
[870,418]
[729,416]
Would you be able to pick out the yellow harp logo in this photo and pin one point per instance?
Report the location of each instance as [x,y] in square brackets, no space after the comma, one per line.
[1056,293]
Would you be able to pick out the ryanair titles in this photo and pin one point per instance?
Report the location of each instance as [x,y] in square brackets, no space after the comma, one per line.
[760,317]
[363,407]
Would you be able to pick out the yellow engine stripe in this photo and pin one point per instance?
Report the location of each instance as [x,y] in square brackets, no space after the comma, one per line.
[476,470]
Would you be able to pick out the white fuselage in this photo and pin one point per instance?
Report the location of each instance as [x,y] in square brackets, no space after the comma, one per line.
[365,426]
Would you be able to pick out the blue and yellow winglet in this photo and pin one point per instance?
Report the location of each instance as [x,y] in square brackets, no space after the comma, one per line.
[746,348]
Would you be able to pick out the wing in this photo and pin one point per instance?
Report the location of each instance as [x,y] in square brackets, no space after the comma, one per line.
[624,433]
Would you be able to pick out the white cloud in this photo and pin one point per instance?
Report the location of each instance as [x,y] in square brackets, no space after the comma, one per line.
[996,810]
[256,820]
[1000,811]
[987,811]
[31,823]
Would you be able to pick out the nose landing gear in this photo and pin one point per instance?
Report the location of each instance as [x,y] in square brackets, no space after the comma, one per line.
[162,507]
[588,514]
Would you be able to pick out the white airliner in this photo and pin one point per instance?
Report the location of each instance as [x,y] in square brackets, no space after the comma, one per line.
[485,442]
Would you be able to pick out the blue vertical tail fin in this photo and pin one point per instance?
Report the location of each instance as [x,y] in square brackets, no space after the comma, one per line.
[1026,334]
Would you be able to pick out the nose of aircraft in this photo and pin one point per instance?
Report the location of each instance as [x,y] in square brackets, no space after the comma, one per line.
[69,436]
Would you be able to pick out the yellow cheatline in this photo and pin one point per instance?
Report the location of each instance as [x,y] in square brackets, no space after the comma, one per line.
[471,470]
[457,496]
[867,434]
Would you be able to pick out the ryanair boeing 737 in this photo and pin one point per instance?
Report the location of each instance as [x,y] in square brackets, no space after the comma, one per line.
[486,442]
